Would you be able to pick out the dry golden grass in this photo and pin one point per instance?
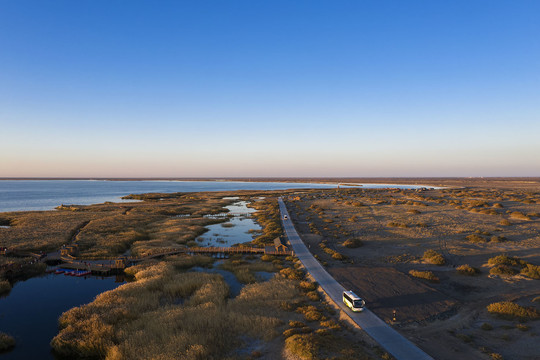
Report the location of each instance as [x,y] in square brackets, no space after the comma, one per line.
[109,229]
[468,270]
[433,257]
[428,275]
[510,310]
[245,270]
[144,319]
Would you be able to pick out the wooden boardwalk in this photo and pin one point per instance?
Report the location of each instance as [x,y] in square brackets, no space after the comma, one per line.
[117,264]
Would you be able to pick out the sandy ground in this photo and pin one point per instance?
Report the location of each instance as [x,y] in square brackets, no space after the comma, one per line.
[396,227]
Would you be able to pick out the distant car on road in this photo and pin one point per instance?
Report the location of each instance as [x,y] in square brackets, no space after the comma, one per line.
[353,301]
[285,217]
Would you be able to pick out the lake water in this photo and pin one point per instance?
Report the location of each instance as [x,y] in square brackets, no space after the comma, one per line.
[234,231]
[30,312]
[23,195]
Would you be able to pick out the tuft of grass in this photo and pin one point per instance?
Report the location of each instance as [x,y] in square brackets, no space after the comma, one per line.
[352,243]
[428,275]
[522,327]
[468,270]
[6,342]
[466,338]
[433,257]
[505,222]
[397,224]
[486,327]
[513,311]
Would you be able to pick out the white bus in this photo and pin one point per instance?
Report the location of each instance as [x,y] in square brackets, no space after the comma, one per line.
[353,301]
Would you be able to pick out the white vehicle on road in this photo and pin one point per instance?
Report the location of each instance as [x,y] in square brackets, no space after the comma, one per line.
[353,301]
[285,217]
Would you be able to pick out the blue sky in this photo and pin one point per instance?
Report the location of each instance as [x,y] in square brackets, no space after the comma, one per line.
[269,88]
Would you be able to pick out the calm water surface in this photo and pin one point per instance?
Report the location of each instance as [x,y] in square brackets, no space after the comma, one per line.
[30,312]
[21,195]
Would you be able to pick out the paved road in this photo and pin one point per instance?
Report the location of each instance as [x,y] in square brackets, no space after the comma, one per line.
[382,333]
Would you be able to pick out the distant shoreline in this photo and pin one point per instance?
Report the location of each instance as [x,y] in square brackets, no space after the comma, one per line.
[522,182]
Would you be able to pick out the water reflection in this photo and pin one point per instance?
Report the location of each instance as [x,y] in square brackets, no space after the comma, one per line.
[30,312]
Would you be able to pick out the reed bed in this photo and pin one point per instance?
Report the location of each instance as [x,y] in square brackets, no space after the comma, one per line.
[169,314]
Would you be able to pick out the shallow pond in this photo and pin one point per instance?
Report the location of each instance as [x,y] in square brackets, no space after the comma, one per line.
[30,312]
[235,231]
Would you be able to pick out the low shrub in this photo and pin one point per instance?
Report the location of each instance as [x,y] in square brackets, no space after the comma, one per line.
[266,257]
[513,311]
[468,270]
[475,238]
[313,296]
[304,346]
[503,270]
[506,260]
[6,342]
[331,324]
[497,239]
[428,275]
[294,274]
[296,324]
[505,222]
[338,256]
[311,313]
[352,243]
[433,257]
[303,330]
[308,286]
[522,327]
[519,215]
[397,224]
[532,271]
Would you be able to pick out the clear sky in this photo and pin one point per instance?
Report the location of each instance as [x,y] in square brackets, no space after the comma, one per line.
[101,88]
